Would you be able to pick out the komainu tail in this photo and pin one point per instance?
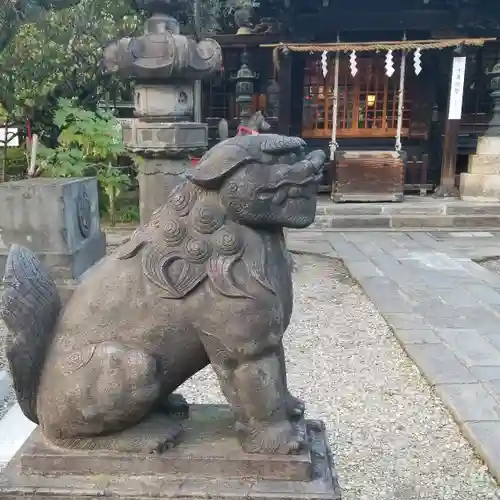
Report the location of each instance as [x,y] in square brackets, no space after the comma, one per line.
[29,307]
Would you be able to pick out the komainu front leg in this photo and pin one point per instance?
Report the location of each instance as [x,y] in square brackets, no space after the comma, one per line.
[251,378]
[264,398]
[295,407]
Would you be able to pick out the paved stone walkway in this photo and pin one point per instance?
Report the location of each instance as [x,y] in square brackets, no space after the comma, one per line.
[443,307]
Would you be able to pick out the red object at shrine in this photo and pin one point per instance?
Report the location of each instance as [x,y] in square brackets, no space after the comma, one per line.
[242,130]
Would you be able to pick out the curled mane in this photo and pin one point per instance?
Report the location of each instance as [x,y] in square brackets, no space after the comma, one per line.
[191,239]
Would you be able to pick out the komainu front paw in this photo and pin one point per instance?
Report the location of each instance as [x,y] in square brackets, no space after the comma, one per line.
[295,407]
[282,438]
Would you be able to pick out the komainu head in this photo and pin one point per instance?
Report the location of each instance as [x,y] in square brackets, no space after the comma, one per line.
[263,180]
[208,225]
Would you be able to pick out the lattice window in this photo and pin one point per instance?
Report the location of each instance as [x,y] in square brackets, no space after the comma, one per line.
[367,103]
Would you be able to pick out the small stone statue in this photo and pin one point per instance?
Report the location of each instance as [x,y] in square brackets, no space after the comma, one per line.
[208,280]
[256,124]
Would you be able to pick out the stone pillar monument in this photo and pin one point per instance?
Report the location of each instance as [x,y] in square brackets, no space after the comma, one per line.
[482,181]
[164,65]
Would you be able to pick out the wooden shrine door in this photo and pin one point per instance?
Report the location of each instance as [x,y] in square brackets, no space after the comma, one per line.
[367,102]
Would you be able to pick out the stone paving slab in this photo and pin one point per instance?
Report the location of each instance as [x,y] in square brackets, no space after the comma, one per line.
[444,309]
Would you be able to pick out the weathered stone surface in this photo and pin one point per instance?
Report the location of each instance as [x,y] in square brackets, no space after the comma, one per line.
[405,321]
[469,402]
[157,179]
[58,219]
[470,346]
[208,448]
[486,373]
[155,136]
[485,437]
[473,209]
[361,221]
[208,461]
[485,164]
[162,53]
[419,221]
[417,336]
[208,280]
[438,364]
[479,187]
[487,145]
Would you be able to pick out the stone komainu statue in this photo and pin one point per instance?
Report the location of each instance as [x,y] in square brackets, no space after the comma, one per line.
[208,280]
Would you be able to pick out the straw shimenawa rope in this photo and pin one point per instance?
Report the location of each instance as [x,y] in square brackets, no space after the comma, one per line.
[407,45]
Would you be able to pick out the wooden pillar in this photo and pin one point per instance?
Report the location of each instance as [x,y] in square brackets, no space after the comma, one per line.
[447,186]
[285,85]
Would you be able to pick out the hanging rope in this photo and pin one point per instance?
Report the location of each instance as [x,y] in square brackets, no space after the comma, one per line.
[407,45]
[333,143]
[401,100]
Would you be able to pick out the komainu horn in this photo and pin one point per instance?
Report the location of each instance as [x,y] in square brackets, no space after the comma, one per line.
[208,280]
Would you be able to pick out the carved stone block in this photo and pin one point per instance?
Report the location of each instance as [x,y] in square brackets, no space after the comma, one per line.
[175,100]
[58,219]
[208,460]
[164,137]
[482,181]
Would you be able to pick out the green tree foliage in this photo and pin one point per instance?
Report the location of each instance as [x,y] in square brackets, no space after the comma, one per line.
[59,54]
[90,143]
[13,13]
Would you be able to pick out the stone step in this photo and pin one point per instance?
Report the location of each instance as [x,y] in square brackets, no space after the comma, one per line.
[484,164]
[400,221]
[428,207]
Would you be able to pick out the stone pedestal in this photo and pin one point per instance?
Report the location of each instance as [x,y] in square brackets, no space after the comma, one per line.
[58,219]
[208,463]
[482,181]
[165,148]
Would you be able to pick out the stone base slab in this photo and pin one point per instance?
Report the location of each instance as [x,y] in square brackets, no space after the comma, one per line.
[484,164]
[488,145]
[480,187]
[208,462]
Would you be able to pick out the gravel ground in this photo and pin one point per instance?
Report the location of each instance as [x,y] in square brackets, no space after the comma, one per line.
[391,437]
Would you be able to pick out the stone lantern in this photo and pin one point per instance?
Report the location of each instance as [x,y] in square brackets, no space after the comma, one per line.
[482,181]
[494,85]
[244,89]
[164,65]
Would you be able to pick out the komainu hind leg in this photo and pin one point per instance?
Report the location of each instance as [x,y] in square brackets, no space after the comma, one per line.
[99,400]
